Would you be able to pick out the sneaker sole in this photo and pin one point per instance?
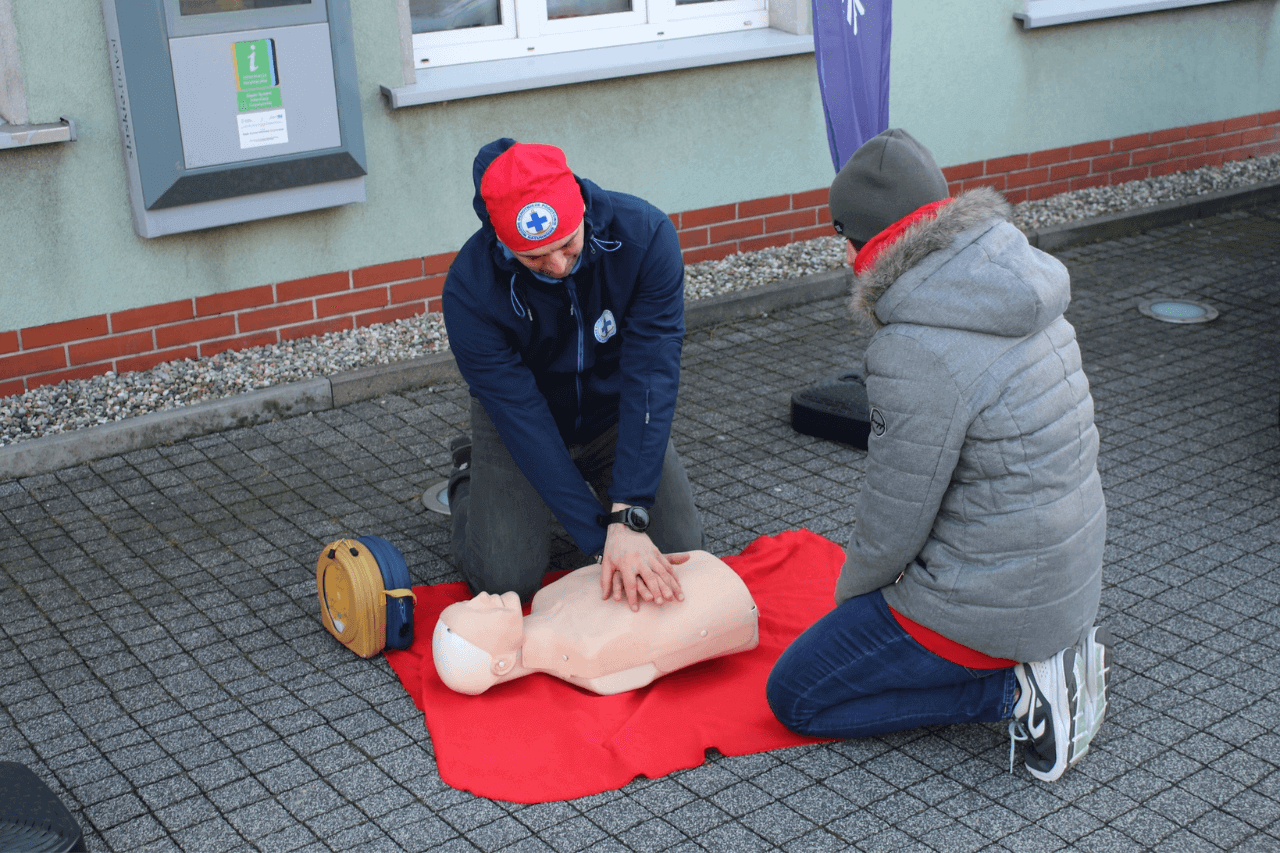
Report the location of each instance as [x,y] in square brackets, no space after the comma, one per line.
[1098,658]
[1080,709]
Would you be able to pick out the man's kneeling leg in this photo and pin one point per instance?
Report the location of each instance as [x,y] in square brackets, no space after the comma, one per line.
[501,536]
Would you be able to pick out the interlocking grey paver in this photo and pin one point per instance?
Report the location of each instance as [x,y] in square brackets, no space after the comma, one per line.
[656,834]
[696,818]
[662,796]
[164,670]
[777,823]
[889,839]
[526,845]
[819,804]
[618,815]
[816,841]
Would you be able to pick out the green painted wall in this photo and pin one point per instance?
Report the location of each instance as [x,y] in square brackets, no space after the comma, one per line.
[970,83]
[965,79]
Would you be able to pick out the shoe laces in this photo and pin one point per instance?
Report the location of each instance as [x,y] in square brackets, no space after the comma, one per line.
[1017,734]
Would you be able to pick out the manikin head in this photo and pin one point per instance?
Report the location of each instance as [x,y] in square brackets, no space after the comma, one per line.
[477,643]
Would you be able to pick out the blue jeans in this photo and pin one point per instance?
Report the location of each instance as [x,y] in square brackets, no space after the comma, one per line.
[856,673]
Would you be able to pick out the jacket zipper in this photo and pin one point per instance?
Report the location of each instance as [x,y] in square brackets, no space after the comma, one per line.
[576,312]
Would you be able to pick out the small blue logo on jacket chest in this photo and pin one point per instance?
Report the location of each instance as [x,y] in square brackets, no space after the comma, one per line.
[606,327]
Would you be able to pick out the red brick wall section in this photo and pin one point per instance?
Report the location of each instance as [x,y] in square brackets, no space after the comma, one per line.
[140,338]
[1026,177]
[717,232]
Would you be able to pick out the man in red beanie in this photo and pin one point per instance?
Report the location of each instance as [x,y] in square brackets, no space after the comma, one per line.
[565,314]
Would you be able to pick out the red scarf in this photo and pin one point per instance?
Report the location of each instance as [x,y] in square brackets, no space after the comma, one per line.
[866,258]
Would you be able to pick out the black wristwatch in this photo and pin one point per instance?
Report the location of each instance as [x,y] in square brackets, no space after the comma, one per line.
[635,517]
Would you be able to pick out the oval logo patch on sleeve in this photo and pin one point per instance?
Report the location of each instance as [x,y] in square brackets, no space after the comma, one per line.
[877,422]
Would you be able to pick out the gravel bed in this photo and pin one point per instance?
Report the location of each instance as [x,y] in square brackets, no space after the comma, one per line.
[80,403]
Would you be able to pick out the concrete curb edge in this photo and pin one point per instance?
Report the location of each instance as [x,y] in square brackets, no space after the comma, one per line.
[1110,226]
[50,453]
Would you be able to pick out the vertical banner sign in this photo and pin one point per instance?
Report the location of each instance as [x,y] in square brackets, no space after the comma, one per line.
[851,47]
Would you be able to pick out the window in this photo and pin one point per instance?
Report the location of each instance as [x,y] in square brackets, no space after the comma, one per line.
[13,97]
[1049,13]
[452,32]
[15,132]
[209,7]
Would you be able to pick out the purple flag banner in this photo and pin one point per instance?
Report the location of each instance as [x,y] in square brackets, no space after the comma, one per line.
[851,46]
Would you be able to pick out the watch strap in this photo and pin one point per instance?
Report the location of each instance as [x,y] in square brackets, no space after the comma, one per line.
[634,517]
[604,520]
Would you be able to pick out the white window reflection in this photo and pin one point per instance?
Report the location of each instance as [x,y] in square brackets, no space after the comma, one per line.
[433,16]
[209,7]
[557,9]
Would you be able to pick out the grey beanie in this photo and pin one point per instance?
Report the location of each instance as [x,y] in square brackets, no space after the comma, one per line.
[890,176]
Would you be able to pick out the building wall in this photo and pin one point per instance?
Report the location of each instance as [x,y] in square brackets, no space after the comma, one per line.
[684,140]
[973,85]
[737,153]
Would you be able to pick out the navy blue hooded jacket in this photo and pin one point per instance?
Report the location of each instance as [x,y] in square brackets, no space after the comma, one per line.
[533,355]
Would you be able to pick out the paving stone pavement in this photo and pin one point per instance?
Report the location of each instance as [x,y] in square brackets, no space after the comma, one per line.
[165,671]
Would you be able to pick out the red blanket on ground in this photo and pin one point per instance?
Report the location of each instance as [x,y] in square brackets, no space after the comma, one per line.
[539,739]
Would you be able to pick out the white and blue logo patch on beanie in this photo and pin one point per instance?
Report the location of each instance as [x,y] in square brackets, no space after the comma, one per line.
[536,221]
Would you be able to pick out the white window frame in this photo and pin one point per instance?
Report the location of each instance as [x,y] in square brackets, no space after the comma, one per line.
[16,131]
[789,33]
[526,32]
[1052,13]
[13,97]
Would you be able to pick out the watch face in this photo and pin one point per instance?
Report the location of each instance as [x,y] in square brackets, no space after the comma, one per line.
[637,518]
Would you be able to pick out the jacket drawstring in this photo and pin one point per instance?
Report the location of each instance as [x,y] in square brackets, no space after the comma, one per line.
[516,304]
[519,307]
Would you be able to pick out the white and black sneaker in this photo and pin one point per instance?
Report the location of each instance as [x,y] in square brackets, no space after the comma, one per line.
[1049,713]
[1097,657]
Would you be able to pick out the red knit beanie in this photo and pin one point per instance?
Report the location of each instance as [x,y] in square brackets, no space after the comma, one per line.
[532,197]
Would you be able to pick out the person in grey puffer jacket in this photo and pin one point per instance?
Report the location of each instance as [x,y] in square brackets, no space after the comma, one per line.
[973,574]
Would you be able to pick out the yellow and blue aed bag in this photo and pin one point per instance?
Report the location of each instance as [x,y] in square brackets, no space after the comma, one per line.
[366,599]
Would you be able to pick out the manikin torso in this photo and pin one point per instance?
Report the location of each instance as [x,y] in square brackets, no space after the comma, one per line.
[600,645]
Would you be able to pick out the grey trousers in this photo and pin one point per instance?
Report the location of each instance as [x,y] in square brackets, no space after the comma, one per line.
[501,527]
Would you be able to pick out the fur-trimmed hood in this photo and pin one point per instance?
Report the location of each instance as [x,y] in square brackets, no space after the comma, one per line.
[968,268]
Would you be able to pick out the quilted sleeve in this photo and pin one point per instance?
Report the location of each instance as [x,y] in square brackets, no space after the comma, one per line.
[918,429]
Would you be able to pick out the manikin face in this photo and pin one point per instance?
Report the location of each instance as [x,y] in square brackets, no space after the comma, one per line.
[556,260]
[490,622]
[477,642]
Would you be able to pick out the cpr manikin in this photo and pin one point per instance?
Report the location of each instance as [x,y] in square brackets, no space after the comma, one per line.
[599,645]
